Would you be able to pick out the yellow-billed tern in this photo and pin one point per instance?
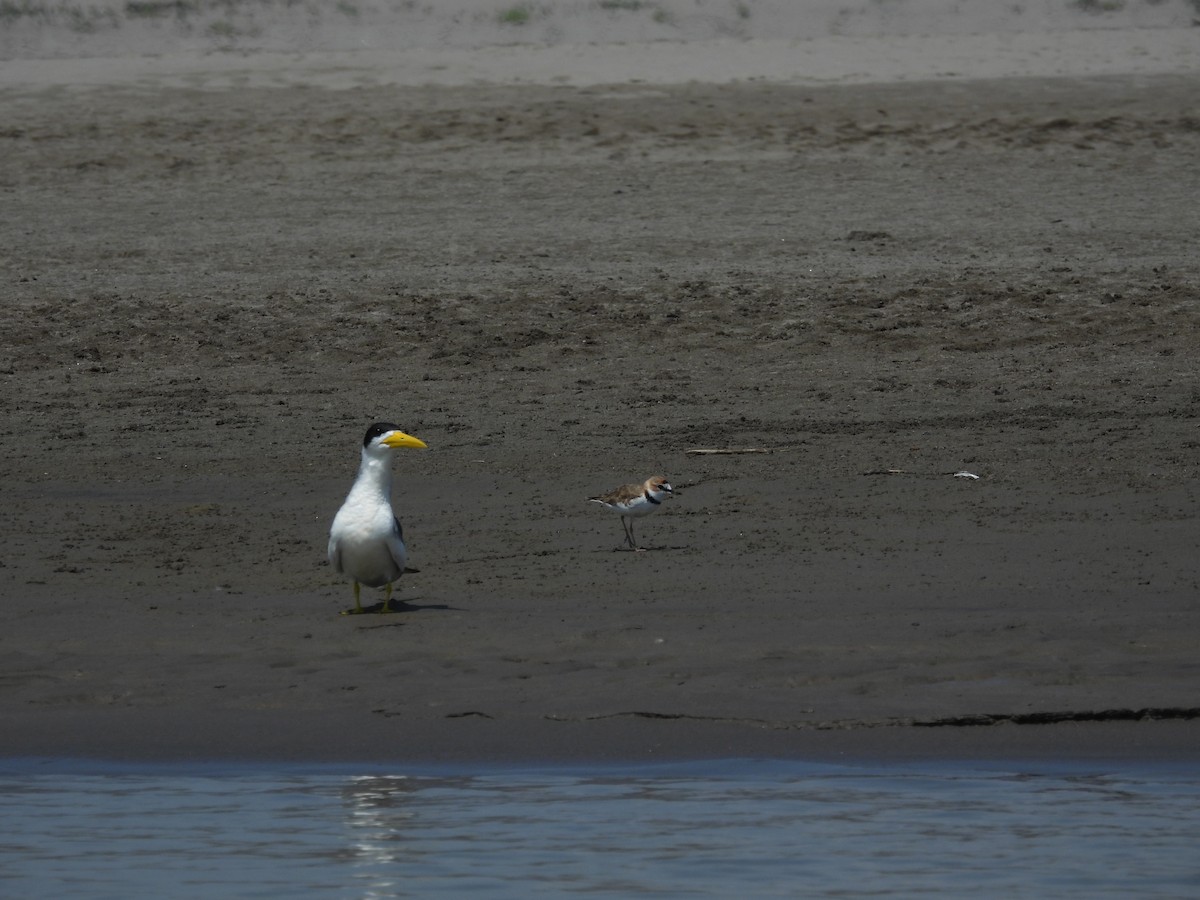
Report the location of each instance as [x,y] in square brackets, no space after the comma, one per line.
[366,541]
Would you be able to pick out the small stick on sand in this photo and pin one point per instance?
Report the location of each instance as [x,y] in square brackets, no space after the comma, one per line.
[727,452]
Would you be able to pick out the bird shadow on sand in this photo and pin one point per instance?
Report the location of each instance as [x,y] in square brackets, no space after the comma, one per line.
[400,606]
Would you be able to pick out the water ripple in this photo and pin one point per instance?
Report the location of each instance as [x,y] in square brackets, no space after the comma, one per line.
[744,828]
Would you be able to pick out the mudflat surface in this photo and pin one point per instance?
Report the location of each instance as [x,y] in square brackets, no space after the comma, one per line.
[208,296]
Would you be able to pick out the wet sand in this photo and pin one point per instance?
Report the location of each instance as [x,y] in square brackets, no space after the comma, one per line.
[209,294]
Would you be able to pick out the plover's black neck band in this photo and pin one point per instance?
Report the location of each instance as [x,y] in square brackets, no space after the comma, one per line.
[652,500]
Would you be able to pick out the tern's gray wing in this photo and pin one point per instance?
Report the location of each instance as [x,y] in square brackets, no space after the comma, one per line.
[335,555]
[395,543]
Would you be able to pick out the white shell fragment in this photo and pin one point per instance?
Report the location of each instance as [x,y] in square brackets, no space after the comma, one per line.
[970,475]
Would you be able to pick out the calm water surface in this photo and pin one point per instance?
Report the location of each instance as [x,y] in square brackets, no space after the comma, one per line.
[737,828]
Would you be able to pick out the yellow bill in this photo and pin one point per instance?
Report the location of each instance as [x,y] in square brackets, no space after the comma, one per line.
[400,439]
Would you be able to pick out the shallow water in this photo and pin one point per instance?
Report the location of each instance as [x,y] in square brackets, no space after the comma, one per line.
[733,828]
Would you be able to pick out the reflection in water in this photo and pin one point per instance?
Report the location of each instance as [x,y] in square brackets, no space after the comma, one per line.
[718,829]
[376,819]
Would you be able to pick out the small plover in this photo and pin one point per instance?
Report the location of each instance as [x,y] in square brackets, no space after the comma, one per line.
[633,500]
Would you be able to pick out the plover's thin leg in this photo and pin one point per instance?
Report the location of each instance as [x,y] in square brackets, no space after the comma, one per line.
[633,538]
[627,524]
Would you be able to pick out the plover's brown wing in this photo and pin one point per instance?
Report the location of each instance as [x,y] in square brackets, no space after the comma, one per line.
[623,494]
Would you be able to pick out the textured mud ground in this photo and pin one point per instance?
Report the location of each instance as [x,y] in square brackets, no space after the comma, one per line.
[208,296]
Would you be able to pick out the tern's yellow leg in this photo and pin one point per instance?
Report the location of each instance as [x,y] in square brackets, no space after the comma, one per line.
[358,607]
[358,610]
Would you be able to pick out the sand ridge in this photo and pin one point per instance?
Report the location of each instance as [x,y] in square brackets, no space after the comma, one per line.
[211,293]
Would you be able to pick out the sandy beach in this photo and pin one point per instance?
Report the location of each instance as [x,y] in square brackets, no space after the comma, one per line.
[953,301]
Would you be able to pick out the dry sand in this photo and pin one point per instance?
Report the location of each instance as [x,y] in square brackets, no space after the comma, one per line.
[209,293]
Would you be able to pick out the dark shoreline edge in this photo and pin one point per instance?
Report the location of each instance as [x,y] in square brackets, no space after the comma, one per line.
[288,737]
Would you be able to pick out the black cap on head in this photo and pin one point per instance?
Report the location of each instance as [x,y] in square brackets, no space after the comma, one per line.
[378,430]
